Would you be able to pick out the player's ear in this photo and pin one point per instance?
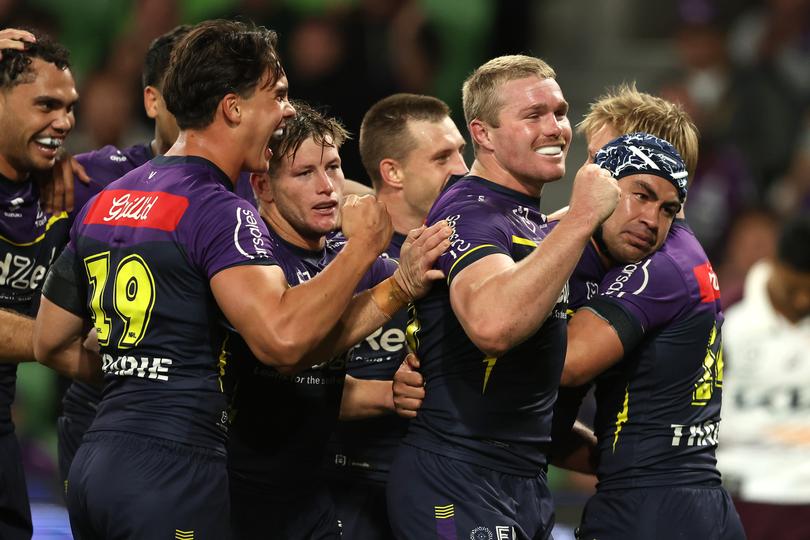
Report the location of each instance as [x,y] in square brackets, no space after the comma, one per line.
[391,173]
[480,134]
[151,100]
[231,108]
[260,183]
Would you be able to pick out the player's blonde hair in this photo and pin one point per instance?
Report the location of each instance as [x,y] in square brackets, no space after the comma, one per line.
[628,110]
[480,93]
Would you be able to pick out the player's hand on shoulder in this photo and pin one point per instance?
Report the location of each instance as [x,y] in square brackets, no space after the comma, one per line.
[594,196]
[366,221]
[418,255]
[408,387]
[56,187]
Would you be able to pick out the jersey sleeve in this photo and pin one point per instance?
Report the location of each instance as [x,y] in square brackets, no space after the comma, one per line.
[228,231]
[638,298]
[478,231]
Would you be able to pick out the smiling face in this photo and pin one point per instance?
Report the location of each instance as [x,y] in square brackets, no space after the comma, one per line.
[437,155]
[534,133]
[302,200]
[35,118]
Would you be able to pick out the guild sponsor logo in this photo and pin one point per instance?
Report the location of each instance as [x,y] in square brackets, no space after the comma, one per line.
[150,209]
[246,221]
[127,206]
[118,157]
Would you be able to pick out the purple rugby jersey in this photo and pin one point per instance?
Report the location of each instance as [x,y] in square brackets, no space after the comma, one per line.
[104,166]
[658,409]
[280,424]
[494,412]
[365,448]
[145,250]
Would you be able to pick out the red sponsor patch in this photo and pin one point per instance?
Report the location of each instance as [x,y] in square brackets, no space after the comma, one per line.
[707,281]
[152,209]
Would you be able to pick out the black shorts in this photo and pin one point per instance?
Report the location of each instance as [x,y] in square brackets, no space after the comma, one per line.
[361,508]
[305,511]
[127,486]
[69,433]
[432,496]
[15,512]
[663,513]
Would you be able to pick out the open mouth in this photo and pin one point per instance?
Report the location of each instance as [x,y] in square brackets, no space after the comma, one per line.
[49,144]
[554,150]
[325,207]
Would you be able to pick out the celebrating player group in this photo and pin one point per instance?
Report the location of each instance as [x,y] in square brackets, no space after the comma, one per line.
[235,315]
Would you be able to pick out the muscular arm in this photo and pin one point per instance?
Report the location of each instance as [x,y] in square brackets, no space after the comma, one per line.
[593,346]
[283,324]
[58,344]
[365,398]
[500,303]
[16,338]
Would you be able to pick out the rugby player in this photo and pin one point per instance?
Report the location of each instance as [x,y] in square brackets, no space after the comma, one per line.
[409,146]
[37,97]
[492,338]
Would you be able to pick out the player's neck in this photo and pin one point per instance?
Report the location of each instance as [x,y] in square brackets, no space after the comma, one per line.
[204,144]
[9,172]
[487,167]
[403,216]
[287,232]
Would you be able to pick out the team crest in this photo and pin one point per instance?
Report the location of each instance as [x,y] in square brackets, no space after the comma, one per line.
[481,533]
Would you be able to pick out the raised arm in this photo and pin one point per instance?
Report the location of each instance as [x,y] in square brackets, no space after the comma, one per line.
[283,324]
[500,303]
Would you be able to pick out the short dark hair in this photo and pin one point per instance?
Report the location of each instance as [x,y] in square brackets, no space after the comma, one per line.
[15,65]
[384,132]
[214,59]
[158,55]
[792,247]
[307,122]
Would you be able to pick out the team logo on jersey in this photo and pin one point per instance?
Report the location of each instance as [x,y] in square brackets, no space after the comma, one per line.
[246,219]
[707,281]
[150,209]
[522,214]
[481,533]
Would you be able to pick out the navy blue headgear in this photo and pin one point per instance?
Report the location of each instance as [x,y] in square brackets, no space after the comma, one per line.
[642,153]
